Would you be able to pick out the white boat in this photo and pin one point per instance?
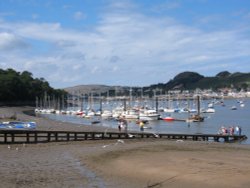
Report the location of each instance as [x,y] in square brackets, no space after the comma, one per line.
[169,110]
[233,108]
[148,115]
[242,105]
[57,112]
[117,112]
[98,113]
[131,114]
[37,110]
[210,105]
[187,110]
[106,114]
[91,113]
[209,110]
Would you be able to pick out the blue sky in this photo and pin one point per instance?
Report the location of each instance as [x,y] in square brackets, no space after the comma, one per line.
[126,42]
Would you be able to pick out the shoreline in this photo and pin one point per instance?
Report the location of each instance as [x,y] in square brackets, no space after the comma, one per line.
[120,163]
[48,124]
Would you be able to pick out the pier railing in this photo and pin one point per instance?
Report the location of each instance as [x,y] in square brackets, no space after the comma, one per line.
[37,136]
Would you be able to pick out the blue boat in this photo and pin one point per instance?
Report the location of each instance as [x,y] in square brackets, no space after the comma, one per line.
[17,125]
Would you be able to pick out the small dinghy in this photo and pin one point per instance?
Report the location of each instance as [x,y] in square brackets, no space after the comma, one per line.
[18,125]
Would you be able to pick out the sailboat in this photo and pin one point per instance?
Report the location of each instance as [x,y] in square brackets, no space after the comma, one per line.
[197,117]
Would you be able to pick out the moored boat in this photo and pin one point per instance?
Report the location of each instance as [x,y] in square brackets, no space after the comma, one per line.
[168,118]
[18,125]
[148,115]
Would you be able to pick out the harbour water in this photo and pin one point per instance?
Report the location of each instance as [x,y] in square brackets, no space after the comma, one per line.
[223,116]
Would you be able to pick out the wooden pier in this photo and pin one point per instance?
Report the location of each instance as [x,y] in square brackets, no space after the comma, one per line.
[36,136]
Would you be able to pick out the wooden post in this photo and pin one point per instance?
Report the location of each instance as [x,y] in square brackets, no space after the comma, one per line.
[126,136]
[198,105]
[27,137]
[75,135]
[5,138]
[48,137]
[35,137]
[226,139]
[12,137]
[56,137]
[156,104]
[68,136]
[86,136]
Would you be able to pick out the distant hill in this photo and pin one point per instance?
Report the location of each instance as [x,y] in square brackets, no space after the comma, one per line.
[225,79]
[182,81]
[193,80]
[103,90]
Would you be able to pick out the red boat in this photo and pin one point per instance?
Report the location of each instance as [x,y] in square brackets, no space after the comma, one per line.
[168,119]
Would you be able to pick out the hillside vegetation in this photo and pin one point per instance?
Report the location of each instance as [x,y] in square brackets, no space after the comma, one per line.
[21,86]
[182,81]
[193,80]
[16,86]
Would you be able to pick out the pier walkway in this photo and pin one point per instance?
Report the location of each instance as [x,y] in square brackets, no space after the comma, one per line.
[37,136]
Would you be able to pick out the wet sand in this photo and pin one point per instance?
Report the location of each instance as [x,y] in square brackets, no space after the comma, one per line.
[121,163]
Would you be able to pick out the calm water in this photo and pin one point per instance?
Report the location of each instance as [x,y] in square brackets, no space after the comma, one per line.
[223,116]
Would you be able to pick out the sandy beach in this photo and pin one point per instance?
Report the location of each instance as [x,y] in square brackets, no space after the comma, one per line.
[120,163]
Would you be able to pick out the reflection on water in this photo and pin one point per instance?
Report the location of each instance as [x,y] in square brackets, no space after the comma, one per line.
[223,116]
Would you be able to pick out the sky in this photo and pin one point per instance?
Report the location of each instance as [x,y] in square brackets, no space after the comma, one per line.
[123,42]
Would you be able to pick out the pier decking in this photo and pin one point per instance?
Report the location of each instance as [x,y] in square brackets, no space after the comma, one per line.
[36,136]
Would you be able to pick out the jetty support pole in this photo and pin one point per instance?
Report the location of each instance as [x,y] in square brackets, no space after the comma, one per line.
[198,105]
[156,104]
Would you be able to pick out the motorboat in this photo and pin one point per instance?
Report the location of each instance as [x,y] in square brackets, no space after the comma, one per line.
[131,114]
[148,115]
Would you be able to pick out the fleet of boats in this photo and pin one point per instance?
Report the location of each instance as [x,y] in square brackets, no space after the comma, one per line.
[145,112]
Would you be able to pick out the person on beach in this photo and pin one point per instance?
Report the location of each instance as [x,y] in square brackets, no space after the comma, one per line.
[240,131]
[236,129]
[231,130]
[119,126]
[223,130]
[141,126]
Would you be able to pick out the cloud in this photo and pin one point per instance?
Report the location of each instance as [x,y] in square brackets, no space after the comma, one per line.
[9,41]
[79,15]
[125,47]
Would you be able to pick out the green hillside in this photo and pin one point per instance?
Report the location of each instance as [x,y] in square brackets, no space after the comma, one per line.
[182,81]
[193,80]
[21,86]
